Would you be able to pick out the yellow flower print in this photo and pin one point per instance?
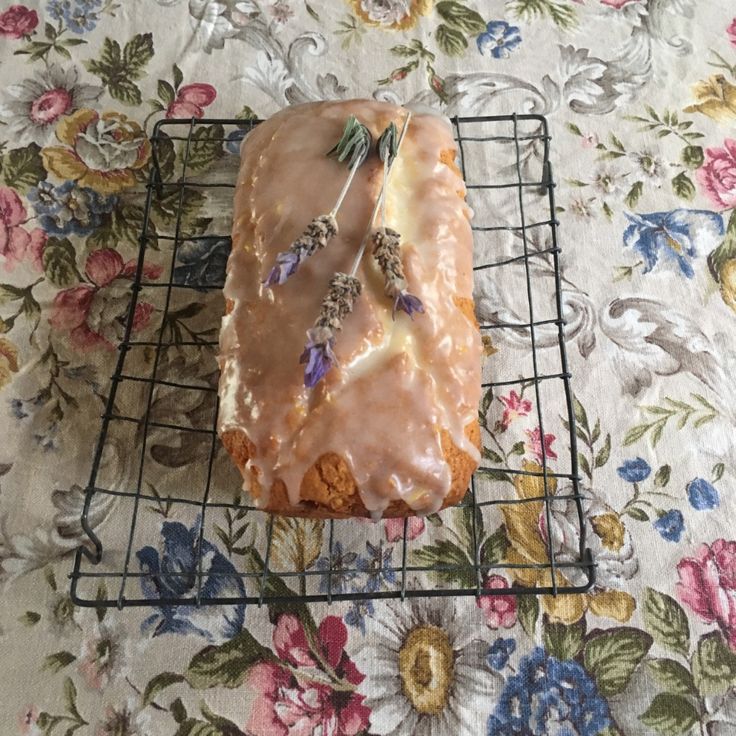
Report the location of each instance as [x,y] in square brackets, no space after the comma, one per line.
[488,347]
[100,151]
[8,361]
[715,97]
[610,543]
[727,276]
[393,15]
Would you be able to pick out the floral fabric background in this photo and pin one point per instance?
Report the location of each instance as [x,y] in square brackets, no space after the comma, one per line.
[641,99]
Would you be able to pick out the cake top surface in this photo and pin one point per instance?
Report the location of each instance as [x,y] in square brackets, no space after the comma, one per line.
[399,383]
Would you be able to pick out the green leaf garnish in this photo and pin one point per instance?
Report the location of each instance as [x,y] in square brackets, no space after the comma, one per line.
[355,143]
[388,143]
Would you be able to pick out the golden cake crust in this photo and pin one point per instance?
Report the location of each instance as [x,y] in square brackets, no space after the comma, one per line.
[328,489]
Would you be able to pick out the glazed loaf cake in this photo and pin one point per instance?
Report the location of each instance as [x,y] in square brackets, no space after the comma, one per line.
[392,429]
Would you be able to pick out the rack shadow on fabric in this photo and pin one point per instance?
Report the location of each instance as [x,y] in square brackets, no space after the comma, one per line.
[254,577]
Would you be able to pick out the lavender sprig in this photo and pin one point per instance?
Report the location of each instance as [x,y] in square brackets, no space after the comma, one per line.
[386,244]
[354,145]
[315,237]
[338,303]
[380,202]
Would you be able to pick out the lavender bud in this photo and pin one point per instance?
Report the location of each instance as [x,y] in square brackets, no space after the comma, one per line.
[315,237]
[319,358]
[408,303]
[386,244]
[338,303]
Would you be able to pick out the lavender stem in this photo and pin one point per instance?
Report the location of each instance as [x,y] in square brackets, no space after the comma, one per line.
[379,200]
[383,196]
[345,187]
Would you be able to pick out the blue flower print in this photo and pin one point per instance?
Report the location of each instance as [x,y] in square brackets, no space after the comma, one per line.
[48,439]
[233,141]
[634,471]
[549,696]
[202,262]
[18,408]
[499,653]
[82,15]
[677,237]
[702,495]
[69,209]
[670,525]
[172,571]
[499,39]
[342,565]
[356,614]
[377,565]
[58,8]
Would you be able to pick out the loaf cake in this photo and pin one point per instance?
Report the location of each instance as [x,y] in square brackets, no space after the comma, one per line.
[391,430]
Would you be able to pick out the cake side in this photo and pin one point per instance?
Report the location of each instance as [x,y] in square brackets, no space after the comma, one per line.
[393,430]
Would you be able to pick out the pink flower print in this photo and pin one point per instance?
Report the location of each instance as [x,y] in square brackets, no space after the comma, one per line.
[290,641]
[291,704]
[17,21]
[94,313]
[281,12]
[514,407]
[28,721]
[286,706]
[708,585]
[394,528]
[48,107]
[717,176]
[191,99]
[533,444]
[16,243]
[500,610]
[103,657]
[589,140]
[731,32]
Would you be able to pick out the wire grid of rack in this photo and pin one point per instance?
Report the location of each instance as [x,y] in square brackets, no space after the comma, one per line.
[506,156]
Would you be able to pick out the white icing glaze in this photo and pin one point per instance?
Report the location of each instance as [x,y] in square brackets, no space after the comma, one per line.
[399,383]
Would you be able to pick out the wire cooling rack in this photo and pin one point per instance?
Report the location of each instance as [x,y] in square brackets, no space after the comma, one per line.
[165,520]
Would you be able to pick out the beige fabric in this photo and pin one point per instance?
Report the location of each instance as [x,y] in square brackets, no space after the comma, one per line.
[641,99]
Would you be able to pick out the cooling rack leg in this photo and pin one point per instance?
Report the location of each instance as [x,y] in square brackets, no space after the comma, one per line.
[590,565]
[93,556]
[156,179]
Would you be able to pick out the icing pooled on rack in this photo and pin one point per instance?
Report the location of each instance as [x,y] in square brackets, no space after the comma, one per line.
[399,384]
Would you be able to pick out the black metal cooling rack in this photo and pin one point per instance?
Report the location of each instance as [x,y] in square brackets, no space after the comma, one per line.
[505,162]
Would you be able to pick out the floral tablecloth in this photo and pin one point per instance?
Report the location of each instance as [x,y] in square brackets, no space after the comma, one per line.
[641,99]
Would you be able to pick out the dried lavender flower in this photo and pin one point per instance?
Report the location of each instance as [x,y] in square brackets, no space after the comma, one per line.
[354,145]
[315,237]
[338,303]
[318,356]
[386,244]
[408,303]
